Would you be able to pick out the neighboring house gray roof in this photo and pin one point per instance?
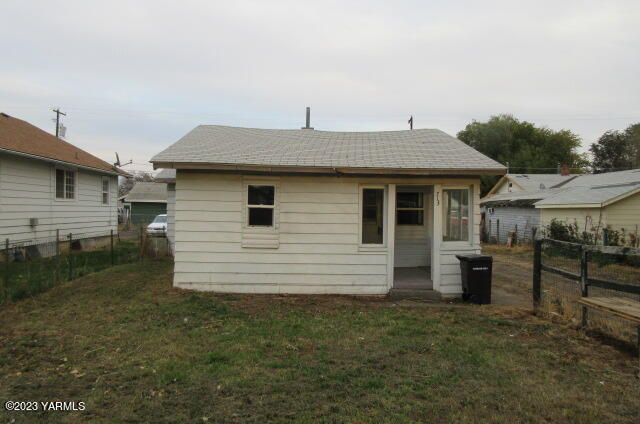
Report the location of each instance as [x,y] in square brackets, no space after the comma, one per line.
[536,182]
[519,198]
[596,196]
[590,190]
[607,178]
[148,192]
[421,149]
[166,175]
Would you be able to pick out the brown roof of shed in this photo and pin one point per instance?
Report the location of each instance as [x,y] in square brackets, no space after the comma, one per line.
[20,136]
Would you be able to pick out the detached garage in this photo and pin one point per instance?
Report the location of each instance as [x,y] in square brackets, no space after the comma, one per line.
[145,201]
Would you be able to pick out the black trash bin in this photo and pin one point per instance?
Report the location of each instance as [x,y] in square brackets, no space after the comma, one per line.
[476,277]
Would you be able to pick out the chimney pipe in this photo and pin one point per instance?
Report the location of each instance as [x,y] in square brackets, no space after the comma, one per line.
[308,125]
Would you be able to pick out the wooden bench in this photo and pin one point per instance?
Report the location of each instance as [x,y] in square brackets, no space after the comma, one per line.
[619,306]
[622,307]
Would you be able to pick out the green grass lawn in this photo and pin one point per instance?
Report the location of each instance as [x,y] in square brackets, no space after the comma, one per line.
[136,350]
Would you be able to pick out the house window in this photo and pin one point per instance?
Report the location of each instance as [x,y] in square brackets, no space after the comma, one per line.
[105,190]
[410,208]
[65,184]
[260,204]
[372,216]
[455,211]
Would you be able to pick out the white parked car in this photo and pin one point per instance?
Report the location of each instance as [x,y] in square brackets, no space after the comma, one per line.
[158,226]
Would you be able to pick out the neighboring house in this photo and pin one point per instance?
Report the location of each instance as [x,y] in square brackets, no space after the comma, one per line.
[307,211]
[49,185]
[515,183]
[593,202]
[145,201]
[508,207]
[168,176]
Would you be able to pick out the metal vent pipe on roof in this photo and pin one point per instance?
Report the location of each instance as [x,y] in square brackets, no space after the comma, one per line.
[308,124]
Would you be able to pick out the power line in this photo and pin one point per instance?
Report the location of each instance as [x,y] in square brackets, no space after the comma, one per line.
[58,113]
[334,118]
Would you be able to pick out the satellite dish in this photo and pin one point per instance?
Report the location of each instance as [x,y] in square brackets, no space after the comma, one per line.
[118,164]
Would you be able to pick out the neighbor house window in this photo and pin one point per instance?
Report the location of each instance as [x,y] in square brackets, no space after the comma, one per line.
[410,208]
[455,211]
[105,190]
[65,184]
[372,215]
[260,204]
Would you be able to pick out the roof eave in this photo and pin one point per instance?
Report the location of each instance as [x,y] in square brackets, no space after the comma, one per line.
[65,163]
[125,200]
[324,169]
[621,197]
[569,206]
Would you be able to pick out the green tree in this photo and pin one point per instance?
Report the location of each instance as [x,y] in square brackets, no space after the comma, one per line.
[616,150]
[527,148]
[632,134]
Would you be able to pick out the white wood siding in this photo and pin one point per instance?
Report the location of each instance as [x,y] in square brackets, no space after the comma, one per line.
[585,218]
[317,223]
[27,190]
[624,214]
[510,217]
[171,215]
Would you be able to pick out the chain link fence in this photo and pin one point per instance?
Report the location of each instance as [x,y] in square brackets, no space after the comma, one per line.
[29,267]
[565,272]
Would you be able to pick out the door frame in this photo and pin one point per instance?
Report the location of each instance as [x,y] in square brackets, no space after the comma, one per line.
[392,190]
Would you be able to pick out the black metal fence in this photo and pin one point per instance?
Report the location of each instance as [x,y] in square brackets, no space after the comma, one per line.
[33,266]
[564,273]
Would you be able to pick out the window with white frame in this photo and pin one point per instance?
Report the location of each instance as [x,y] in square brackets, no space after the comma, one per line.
[260,205]
[410,208]
[105,190]
[455,214]
[372,216]
[65,184]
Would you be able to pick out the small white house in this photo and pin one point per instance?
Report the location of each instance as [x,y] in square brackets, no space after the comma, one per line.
[47,184]
[306,211]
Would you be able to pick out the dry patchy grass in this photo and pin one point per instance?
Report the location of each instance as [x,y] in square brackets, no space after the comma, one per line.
[136,350]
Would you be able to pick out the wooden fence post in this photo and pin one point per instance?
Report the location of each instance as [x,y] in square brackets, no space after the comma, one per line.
[141,247]
[7,270]
[584,288]
[112,257]
[57,274]
[534,230]
[537,273]
[70,257]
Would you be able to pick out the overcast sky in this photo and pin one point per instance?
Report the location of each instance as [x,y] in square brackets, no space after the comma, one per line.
[134,76]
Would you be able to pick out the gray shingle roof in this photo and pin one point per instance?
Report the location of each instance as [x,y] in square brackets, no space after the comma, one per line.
[519,197]
[536,182]
[427,149]
[589,195]
[166,175]
[607,178]
[587,189]
[147,192]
